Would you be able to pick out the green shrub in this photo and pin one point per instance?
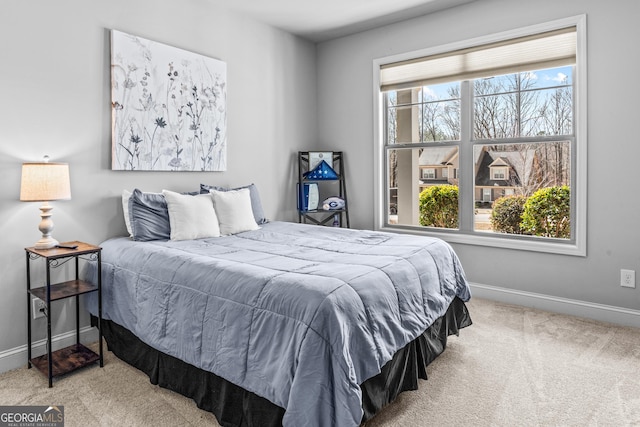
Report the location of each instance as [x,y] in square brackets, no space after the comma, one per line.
[547,213]
[439,206]
[507,214]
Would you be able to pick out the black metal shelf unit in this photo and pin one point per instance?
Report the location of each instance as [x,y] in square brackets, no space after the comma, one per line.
[75,356]
[332,187]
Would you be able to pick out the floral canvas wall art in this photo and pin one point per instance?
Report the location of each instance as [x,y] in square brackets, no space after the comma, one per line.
[168,107]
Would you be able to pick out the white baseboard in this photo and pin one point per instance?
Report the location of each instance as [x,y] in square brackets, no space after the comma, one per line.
[17,357]
[590,310]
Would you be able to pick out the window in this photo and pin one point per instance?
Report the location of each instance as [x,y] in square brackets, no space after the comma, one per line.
[428,173]
[499,173]
[504,111]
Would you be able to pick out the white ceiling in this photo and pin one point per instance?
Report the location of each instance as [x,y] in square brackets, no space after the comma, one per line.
[321,20]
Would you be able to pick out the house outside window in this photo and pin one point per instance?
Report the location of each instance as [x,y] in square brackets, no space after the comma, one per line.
[512,133]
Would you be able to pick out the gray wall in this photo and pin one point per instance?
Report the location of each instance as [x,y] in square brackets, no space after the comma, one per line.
[345,119]
[55,100]
[54,87]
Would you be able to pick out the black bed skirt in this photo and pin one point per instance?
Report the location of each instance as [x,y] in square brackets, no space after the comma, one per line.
[234,406]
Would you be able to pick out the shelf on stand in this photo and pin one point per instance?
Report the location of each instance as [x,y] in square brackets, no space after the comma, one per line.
[64,290]
[66,360]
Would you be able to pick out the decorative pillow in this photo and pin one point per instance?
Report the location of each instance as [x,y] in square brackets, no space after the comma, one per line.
[234,212]
[191,217]
[256,204]
[148,216]
[126,194]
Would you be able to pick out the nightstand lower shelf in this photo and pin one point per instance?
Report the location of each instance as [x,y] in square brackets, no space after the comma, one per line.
[65,360]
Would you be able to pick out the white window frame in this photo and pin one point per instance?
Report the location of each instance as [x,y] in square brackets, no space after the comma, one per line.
[499,173]
[428,173]
[576,246]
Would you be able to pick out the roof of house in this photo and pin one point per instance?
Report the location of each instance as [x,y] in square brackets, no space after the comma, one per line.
[437,156]
[500,162]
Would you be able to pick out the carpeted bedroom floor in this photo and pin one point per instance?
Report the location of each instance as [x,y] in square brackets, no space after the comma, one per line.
[514,366]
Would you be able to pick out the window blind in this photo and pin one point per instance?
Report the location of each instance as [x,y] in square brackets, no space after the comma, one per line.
[545,50]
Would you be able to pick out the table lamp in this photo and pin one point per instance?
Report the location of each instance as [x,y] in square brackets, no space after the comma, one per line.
[44,182]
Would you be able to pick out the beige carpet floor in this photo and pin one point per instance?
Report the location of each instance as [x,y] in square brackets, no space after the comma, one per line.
[514,366]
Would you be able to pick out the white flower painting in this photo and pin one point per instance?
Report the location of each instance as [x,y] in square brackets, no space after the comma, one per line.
[168,107]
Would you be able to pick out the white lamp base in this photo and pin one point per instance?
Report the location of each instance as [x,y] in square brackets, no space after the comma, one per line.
[46,227]
[46,243]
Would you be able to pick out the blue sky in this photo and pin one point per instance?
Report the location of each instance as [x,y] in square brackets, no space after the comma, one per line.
[543,78]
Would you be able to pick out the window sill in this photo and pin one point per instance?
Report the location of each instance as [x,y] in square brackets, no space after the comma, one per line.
[546,245]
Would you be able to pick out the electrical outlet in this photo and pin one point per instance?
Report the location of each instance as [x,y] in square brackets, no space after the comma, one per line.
[38,307]
[628,278]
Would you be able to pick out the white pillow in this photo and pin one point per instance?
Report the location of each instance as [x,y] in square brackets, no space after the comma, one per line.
[126,194]
[191,217]
[234,211]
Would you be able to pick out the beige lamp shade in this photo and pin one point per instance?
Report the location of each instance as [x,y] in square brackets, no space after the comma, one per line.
[45,182]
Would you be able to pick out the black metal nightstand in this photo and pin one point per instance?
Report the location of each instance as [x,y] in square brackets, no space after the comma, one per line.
[75,356]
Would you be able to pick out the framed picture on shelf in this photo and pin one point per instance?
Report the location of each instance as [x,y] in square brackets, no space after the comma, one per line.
[316,157]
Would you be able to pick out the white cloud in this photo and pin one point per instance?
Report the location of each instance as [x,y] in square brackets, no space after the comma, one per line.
[428,93]
[560,77]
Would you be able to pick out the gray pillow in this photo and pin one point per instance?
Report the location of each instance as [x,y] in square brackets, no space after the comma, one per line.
[256,204]
[149,216]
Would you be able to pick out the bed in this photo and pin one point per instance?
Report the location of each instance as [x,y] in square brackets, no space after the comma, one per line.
[306,325]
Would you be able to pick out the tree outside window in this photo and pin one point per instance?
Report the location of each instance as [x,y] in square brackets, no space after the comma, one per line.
[521,133]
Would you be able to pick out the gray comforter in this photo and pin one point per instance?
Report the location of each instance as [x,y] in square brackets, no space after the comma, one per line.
[298,314]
